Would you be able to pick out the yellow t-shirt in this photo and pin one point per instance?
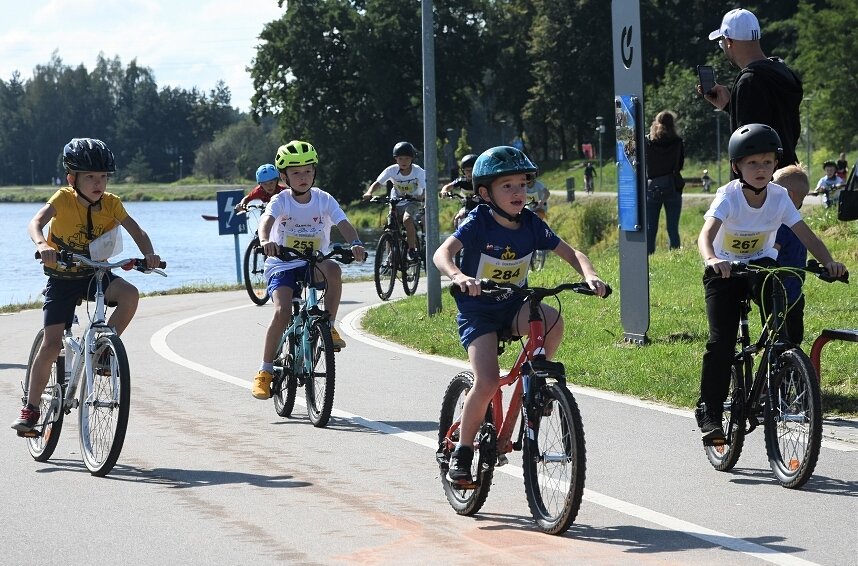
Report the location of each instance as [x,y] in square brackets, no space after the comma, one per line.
[67,229]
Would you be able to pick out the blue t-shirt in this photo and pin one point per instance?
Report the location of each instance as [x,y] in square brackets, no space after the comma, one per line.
[792,253]
[492,251]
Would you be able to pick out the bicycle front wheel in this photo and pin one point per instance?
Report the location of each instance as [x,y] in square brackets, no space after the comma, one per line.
[254,282]
[319,387]
[793,419]
[386,260]
[285,384]
[104,403]
[464,501]
[50,424]
[724,456]
[410,275]
[554,461]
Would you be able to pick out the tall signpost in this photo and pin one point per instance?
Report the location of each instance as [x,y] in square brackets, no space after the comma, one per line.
[228,222]
[430,160]
[631,170]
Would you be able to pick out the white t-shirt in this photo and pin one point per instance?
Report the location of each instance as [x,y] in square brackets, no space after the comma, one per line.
[301,226]
[748,233]
[413,184]
[827,182]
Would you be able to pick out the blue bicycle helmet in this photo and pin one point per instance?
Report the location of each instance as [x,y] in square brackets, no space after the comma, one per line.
[499,161]
[266,173]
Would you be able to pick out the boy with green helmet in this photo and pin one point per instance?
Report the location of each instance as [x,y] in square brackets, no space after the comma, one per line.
[497,239]
[300,217]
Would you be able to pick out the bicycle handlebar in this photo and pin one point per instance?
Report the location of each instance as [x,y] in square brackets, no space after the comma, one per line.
[339,253]
[740,269]
[67,259]
[495,289]
[251,207]
[393,200]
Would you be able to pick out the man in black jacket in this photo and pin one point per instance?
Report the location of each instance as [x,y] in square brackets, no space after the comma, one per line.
[765,91]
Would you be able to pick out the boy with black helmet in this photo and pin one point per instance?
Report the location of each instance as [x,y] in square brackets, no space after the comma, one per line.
[741,225]
[465,184]
[300,218]
[409,180]
[829,182]
[82,217]
[497,239]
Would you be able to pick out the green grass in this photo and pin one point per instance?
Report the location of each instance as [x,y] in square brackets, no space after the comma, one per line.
[668,369]
[128,191]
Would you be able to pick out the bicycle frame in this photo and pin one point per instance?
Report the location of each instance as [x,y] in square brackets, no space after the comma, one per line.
[305,312]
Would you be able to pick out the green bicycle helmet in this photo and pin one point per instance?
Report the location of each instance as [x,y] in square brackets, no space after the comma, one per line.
[499,161]
[296,153]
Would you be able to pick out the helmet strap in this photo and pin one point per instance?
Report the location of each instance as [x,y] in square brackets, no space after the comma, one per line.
[89,233]
[746,185]
[499,211]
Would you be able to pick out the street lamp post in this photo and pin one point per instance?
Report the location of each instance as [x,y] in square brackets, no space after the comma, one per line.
[601,130]
[503,132]
[32,174]
[718,141]
[180,167]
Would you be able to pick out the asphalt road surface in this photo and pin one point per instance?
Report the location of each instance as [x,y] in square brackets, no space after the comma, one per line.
[210,475]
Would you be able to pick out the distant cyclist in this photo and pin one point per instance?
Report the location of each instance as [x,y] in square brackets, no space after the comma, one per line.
[409,179]
[589,175]
[465,185]
[268,179]
[537,196]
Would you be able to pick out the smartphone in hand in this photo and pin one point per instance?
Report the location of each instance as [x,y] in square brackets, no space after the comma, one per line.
[706,76]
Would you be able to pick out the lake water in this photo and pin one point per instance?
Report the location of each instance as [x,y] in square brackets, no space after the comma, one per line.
[191,246]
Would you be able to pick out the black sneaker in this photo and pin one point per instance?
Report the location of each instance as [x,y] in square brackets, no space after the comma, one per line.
[413,255]
[28,420]
[710,428]
[460,466]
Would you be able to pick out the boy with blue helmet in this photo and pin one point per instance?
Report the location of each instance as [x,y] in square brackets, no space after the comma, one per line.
[268,185]
[497,239]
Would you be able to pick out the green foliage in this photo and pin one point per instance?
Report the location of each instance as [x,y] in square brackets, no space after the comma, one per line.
[463,148]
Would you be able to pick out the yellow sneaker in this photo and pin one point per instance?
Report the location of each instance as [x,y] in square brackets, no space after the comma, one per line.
[262,385]
[338,341]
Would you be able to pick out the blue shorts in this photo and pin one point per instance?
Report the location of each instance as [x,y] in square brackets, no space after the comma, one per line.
[63,295]
[487,318]
[296,278]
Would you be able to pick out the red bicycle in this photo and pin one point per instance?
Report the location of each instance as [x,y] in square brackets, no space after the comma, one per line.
[549,434]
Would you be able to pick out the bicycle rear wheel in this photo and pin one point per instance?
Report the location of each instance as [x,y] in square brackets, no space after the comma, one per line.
[793,419]
[319,387]
[465,501]
[386,260]
[410,275]
[50,424]
[554,461]
[724,456]
[104,403]
[285,384]
[254,282]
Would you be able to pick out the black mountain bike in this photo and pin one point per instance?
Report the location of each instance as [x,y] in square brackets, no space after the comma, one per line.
[391,258]
[782,395]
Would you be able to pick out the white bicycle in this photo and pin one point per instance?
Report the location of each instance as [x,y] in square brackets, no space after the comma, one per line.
[97,360]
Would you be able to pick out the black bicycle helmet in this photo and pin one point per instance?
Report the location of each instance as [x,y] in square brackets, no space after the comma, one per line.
[404,148]
[468,161]
[88,154]
[754,138]
[829,163]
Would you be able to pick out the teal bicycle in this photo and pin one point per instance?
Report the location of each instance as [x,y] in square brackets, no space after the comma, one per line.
[305,353]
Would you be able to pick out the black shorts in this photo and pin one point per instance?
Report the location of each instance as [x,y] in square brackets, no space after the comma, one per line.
[63,295]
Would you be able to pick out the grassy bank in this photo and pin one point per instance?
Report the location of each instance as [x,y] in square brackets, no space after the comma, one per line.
[667,370]
[127,191]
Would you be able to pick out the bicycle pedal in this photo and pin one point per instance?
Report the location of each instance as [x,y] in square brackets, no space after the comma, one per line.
[715,442]
[502,460]
[29,434]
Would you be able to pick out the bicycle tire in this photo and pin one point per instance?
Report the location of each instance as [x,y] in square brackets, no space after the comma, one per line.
[464,501]
[254,281]
[386,260]
[793,420]
[320,384]
[51,406]
[554,462]
[285,385]
[103,410]
[537,260]
[723,457]
[410,274]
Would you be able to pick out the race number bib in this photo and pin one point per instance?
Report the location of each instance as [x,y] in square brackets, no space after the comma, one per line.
[304,244]
[744,244]
[503,270]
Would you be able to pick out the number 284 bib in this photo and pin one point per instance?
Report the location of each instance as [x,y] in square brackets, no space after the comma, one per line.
[503,270]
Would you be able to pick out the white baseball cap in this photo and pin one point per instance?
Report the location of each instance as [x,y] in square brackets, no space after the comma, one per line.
[738,24]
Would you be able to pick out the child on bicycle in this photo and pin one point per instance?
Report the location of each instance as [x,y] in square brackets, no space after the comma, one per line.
[299,218]
[79,214]
[466,186]
[409,179]
[741,225]
[497,239]
[537,197]
[268,185]
[791,252]
[827,184]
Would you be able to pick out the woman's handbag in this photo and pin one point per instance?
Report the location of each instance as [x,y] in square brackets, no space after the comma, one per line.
[662,187]
[847,208]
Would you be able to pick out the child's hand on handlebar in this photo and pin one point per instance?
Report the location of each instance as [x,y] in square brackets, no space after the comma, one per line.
[467,285]
[835,268]
[597,285]
[719,267]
